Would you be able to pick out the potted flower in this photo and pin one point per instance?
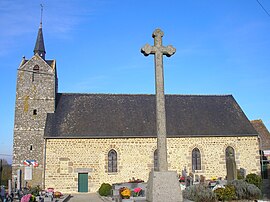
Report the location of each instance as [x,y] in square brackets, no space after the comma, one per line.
[28,198]
[125,192]
[137,191]
[57,194]
[213,182]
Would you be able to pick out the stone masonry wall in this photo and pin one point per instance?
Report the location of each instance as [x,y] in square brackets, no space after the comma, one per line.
[65,158]
[35,97]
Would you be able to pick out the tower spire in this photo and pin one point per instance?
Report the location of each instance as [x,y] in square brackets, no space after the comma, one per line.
[40,47]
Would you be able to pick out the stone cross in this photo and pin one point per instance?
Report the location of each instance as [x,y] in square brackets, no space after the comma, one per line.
[159,50]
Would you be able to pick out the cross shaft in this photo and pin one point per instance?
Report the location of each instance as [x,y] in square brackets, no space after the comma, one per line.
[159,50]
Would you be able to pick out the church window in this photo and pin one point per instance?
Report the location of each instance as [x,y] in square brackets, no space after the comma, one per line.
[31,147]
[112,161]
[155,160]
[196,159]
[35,71]
[34,112]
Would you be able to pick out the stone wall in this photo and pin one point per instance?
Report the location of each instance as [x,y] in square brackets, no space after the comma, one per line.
[35,97]
[65,158]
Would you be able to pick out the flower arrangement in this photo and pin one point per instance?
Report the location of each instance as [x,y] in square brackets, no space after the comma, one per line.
[28,198]
[50,190]
[125,192]
[182,179]
[212,182]
[137,191]
[57,194]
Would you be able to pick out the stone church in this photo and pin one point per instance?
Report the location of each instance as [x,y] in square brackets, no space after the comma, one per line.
[74,142]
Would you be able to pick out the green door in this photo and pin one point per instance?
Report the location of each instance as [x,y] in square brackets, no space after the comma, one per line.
[83,182]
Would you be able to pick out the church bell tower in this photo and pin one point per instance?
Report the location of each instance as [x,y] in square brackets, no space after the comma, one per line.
[35,97]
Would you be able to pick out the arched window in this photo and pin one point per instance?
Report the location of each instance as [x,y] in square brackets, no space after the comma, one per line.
[155,160]
[35,70]
[196,159]
[112,161]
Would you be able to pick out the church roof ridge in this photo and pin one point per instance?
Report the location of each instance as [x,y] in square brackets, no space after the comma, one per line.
[148,94]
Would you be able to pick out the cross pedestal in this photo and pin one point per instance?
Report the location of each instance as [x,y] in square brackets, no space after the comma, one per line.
[163,185]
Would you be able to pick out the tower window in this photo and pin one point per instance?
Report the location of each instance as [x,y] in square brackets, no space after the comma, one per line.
[35,71]
[31,147]
[35,112]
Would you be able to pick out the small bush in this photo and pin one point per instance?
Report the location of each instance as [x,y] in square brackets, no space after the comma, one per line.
[35,190]
[199,193]
[240,188]
[105,189]
[253,191]
[252,178]
[227,193]
[245,190]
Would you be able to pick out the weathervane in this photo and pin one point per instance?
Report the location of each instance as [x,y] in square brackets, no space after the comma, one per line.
[41,13]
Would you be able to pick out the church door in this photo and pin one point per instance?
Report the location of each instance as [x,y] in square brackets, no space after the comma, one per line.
[83,182]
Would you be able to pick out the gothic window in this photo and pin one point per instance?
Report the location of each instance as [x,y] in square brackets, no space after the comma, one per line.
[155,160]
[34,112]
[112,161]
[196,159]
[31,147]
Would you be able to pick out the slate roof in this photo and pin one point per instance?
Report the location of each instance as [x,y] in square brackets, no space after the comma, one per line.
[263,134]
[116,115]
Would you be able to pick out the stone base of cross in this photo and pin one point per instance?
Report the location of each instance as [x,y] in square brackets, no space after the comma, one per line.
[163,186]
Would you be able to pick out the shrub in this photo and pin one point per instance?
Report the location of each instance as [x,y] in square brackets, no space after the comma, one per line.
[240,188]
[227,193]
[245,190]
[252,178]
[35,190]
[105,189]
[199,193]
[253,191]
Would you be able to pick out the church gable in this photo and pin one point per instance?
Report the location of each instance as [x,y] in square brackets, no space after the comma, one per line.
[110,116]
[47,66]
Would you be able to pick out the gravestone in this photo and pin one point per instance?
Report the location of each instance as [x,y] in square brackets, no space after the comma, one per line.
[230,164]
[163,185]
[242,172]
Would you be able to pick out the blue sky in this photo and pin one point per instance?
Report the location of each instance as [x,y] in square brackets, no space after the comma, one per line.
[222,47]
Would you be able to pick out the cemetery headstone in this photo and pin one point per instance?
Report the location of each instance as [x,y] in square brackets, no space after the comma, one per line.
[230,164]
